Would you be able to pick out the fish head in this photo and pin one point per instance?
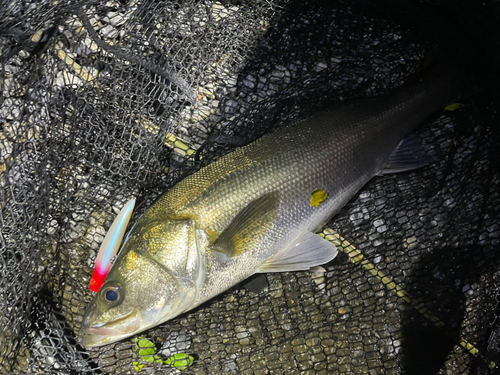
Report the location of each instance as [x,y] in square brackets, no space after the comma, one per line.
[156,277]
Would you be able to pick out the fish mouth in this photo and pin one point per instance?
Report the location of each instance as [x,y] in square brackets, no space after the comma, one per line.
[112,331]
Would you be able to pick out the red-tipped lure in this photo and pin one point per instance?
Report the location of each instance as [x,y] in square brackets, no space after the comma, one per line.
[110,246]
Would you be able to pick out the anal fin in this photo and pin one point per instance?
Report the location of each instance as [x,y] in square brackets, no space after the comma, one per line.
[407,156]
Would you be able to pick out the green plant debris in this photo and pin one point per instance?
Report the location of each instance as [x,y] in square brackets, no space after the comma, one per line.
[146,349]
[180,361]
[147,352]
[138,366]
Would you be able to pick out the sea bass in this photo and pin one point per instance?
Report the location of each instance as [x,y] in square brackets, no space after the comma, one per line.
[257,209]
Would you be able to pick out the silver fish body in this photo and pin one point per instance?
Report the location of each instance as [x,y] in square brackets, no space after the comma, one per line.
[254,210]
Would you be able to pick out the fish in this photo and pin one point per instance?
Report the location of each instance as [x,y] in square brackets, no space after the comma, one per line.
[256,209]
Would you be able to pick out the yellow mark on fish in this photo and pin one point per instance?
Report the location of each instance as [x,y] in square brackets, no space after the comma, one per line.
[318,196]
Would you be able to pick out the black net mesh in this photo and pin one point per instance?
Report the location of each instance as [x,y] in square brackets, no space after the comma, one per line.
[104,100]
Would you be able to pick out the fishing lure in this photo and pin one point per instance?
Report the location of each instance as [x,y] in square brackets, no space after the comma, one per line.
[110,246]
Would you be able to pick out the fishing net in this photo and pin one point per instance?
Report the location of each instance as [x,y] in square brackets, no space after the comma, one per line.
[105,100]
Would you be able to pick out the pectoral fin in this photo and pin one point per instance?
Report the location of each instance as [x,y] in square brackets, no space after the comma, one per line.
[307,251]
[247,227]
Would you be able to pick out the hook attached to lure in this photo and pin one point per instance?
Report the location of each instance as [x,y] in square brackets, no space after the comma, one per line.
[110,246]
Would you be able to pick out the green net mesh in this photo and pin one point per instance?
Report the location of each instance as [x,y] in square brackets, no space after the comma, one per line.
[104,100]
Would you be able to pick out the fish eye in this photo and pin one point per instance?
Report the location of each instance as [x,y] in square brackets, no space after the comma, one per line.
[112,294]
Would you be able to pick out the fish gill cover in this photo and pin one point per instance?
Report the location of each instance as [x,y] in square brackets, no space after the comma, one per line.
[105,100]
